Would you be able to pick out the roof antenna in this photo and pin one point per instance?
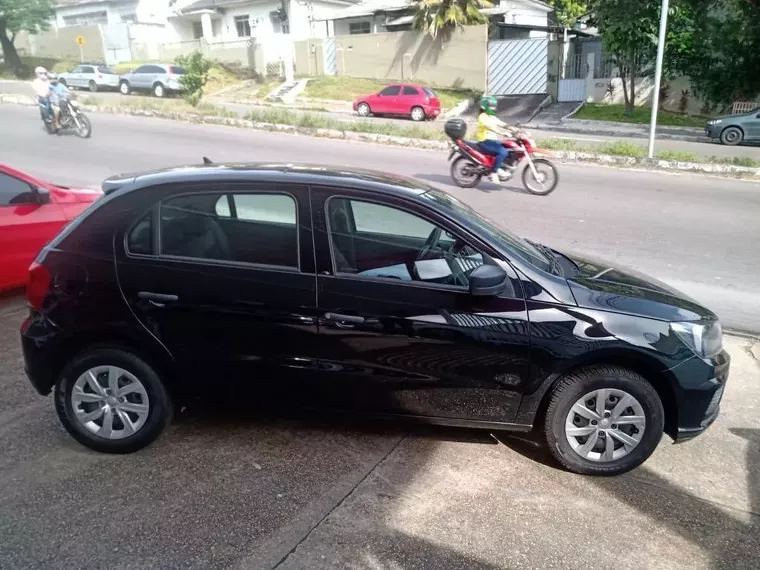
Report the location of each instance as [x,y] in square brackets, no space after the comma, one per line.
[207,161]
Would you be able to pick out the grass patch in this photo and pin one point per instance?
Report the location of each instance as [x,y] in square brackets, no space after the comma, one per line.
[677,156]
[640,116]
[349,88]
[172,105]
[622,148]
[735,161]
[49,63]
[306,120]
[559,144]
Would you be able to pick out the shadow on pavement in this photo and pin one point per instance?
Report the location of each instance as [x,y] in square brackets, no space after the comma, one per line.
[730,538]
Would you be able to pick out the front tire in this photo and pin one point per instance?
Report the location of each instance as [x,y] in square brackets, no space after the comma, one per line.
[464,173]
[603,420]
[363,110]
[732,136]
[112,401]
[93,87]
[547,181]
[84,130]
[158,90]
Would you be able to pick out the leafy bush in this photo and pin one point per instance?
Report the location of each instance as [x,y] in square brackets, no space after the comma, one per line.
[195,79]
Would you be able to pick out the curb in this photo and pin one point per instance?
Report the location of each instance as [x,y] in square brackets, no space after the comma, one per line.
[572,156]
[610,132]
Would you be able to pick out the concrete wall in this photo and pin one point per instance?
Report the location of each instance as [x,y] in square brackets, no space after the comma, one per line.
[309,58]
[60,43]
[458,61]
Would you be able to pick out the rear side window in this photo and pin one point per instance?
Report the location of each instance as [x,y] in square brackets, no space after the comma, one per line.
[429,92]
[410,91]
[243,228]
[177,70]
[107,71]
[140,237]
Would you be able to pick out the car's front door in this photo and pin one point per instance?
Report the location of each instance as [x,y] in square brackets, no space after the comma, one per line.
[400,332]
[73,77]
[753,127]
[386,100]
[223,276]
[140,77]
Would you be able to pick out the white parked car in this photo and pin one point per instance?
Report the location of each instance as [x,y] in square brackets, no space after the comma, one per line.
[90,76]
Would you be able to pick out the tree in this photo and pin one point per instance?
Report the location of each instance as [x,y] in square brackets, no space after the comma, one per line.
[723,55]
[434,16]
[21,15]
[567,12]
[196,76]
[629,30]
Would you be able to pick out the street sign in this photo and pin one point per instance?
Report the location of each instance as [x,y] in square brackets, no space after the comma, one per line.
[81,41]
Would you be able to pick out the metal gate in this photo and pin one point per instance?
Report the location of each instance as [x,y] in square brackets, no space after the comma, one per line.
[329,54]
[517,67]
[116,43]
[573,86]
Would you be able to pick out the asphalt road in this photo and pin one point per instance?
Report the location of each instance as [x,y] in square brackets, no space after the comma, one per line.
[706,149]
[696,232]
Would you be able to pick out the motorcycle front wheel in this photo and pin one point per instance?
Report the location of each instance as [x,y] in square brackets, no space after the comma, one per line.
[83,127]
[546,181]
[464,172]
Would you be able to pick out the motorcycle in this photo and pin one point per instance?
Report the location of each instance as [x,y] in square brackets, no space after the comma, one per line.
[469,165]
[71,117]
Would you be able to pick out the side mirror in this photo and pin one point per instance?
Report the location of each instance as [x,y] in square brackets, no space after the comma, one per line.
[42,196]
[489,281]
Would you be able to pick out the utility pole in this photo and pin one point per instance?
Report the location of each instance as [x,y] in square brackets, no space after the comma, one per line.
[658,74]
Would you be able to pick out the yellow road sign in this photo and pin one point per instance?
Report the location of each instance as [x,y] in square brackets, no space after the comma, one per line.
[81,40]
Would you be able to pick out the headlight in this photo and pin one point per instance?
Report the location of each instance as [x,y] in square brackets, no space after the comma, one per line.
[705,338]
[715,122]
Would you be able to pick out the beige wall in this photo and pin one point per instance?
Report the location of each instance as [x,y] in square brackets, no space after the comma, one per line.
[459,61]
[309,57]
[60,43]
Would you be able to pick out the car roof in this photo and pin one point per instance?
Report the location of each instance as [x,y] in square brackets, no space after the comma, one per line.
[313,174]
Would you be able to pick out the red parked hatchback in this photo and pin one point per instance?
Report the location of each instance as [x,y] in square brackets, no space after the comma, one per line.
[415,101]
[32,212]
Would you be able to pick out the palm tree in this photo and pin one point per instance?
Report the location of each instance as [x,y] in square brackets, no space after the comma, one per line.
[435,15]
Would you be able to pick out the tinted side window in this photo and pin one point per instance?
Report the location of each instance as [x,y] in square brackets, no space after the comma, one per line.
[14,191]
[387,242]
[155,69]
[140,237]
[77,69]
[410,91]
[390,91]
[143,69]
[247,228]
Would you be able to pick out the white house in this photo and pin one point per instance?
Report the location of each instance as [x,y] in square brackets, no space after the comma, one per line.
[230,20]
[529,17]
[93,12]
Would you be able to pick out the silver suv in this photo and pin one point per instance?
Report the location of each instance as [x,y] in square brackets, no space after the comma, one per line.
[160,78]
[90,76]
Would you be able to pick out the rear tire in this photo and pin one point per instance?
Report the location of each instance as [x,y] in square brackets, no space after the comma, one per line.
[462,175]
[574,391]
[152,390]
[159,90]
[418,114]
[93,87]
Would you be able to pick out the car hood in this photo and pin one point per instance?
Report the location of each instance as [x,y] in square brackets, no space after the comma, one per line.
[739,117]
[611,287]
[81,195]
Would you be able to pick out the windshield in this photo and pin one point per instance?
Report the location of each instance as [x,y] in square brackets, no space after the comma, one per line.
[498,235]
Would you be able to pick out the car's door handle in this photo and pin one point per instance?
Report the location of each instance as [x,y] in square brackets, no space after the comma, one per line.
[345,319]
[157,297]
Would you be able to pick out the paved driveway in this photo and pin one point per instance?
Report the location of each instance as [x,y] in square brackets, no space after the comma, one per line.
[230,491]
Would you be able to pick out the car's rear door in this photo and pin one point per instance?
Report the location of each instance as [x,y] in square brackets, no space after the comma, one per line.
[410,97]
[223,275]
[27,223]
[73,78]
[399,331]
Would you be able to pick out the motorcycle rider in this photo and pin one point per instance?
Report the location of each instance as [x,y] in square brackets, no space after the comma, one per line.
[42,90]
[58,91]
[488,134]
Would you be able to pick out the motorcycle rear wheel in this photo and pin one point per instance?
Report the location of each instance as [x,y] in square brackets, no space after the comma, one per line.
[464,173]
[84,130]
[547,181]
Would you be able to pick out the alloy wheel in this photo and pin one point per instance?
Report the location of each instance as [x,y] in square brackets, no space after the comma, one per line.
[110,402]
[605,425]
[418,114]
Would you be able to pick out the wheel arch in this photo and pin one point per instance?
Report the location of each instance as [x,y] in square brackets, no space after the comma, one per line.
[533,409]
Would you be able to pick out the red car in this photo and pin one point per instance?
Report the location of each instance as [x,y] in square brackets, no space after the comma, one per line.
[415,101]
[32,212]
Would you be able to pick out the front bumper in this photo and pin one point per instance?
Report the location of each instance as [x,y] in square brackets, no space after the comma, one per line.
[700,399]
[713,131]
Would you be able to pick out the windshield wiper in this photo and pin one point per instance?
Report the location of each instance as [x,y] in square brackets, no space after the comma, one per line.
[551,257]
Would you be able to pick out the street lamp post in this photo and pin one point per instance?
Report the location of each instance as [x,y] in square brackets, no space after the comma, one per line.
[658,74]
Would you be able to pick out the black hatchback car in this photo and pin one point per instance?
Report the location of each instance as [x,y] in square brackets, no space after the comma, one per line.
[354,291]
